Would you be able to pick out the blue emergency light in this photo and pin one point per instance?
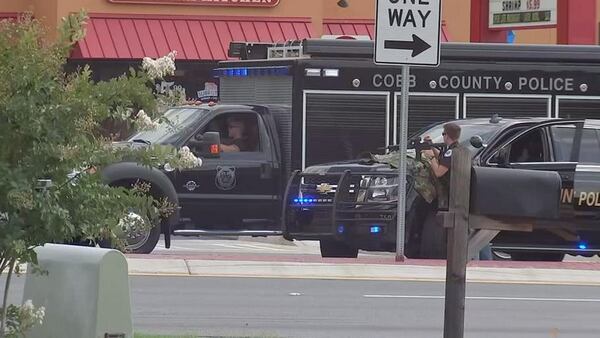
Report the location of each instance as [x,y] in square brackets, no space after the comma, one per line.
[309,200]
[251,71]
[582,246]
[375,229]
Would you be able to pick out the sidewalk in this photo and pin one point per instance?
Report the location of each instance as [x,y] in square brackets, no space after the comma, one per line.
[575,273]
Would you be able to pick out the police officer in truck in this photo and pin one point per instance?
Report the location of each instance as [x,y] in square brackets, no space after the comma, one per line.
[242,134]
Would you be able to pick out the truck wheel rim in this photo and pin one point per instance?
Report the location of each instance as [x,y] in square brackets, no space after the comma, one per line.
[501,255]
[134,238]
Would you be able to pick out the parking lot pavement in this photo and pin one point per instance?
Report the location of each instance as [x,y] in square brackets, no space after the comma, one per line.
[273,245]
[569,258]
[187,245]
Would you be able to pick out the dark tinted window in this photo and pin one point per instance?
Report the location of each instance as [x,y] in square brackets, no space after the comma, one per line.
[562,143]
[590,146]
[528,148]
[237,129]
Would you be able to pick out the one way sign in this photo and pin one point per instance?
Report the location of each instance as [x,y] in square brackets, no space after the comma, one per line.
[408,32]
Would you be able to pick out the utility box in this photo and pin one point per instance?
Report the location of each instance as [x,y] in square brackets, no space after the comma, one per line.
[85,292]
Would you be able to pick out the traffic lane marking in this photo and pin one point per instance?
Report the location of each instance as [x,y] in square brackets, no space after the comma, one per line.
[527,299]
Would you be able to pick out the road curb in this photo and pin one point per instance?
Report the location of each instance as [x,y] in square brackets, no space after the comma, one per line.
[371,259]
[262,269]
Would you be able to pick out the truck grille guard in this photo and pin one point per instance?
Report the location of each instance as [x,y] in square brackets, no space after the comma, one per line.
[344,205]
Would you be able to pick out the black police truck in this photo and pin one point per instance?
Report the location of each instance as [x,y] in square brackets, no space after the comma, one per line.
[321,101]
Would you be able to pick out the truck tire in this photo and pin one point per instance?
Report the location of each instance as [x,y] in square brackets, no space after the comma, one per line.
[433,238]
[537,256]
[144,242]
[337,249]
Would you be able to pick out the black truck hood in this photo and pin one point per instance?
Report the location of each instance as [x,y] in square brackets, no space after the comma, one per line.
[129,144]
[352,165]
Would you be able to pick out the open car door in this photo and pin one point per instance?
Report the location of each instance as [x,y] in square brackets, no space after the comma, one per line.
[586,199]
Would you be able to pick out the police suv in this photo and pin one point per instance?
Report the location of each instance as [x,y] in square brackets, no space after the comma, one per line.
[351,205]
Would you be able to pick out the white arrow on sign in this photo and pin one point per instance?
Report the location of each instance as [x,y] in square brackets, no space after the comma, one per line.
[408,32]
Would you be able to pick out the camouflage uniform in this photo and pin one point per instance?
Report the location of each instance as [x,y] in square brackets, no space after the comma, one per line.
[426,184]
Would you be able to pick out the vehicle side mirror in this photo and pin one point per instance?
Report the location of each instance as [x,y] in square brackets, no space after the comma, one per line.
[208,145]
[477,141]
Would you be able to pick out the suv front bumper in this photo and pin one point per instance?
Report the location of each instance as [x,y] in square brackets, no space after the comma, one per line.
[310,214]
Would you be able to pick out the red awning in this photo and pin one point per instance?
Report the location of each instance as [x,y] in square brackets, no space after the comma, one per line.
[8,16]
[194,38]
[362,27]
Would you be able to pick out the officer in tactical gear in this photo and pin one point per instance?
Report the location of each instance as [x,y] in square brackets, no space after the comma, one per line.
[441,162]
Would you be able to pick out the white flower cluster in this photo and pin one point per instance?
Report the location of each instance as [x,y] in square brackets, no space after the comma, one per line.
[22,318]
[159,68]
[125,115]
[144,122]
[131,223]
[188,159]
[36,315]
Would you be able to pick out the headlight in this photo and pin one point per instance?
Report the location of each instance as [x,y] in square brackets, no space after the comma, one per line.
[380,181]
[378,188]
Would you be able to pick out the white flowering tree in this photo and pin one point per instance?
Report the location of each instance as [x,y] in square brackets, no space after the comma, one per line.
[53,148]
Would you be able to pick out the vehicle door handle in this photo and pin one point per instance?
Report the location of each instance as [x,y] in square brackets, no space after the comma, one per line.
[566,177]
[266,171]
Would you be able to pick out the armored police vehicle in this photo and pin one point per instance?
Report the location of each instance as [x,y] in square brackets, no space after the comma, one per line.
[316,101]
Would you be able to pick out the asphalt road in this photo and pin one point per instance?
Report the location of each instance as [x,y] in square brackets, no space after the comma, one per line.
[348,309]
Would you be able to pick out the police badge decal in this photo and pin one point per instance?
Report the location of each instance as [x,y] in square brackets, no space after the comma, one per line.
[225,178]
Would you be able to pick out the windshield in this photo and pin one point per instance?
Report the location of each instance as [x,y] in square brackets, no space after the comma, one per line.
[179,119]
[486,131]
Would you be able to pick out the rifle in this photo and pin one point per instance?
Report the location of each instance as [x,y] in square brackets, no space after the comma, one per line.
[418,145]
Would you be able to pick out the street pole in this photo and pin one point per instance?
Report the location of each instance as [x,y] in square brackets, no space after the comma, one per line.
[402,166]
[458,243]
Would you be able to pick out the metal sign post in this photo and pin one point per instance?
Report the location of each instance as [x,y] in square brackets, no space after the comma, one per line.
[406,33]
[404,96]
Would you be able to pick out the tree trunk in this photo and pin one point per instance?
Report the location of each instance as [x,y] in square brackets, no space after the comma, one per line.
[11,267]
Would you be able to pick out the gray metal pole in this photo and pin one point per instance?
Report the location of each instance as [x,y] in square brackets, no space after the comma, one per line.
[403,143]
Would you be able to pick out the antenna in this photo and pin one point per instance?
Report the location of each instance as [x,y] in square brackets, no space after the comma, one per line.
[495,118]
